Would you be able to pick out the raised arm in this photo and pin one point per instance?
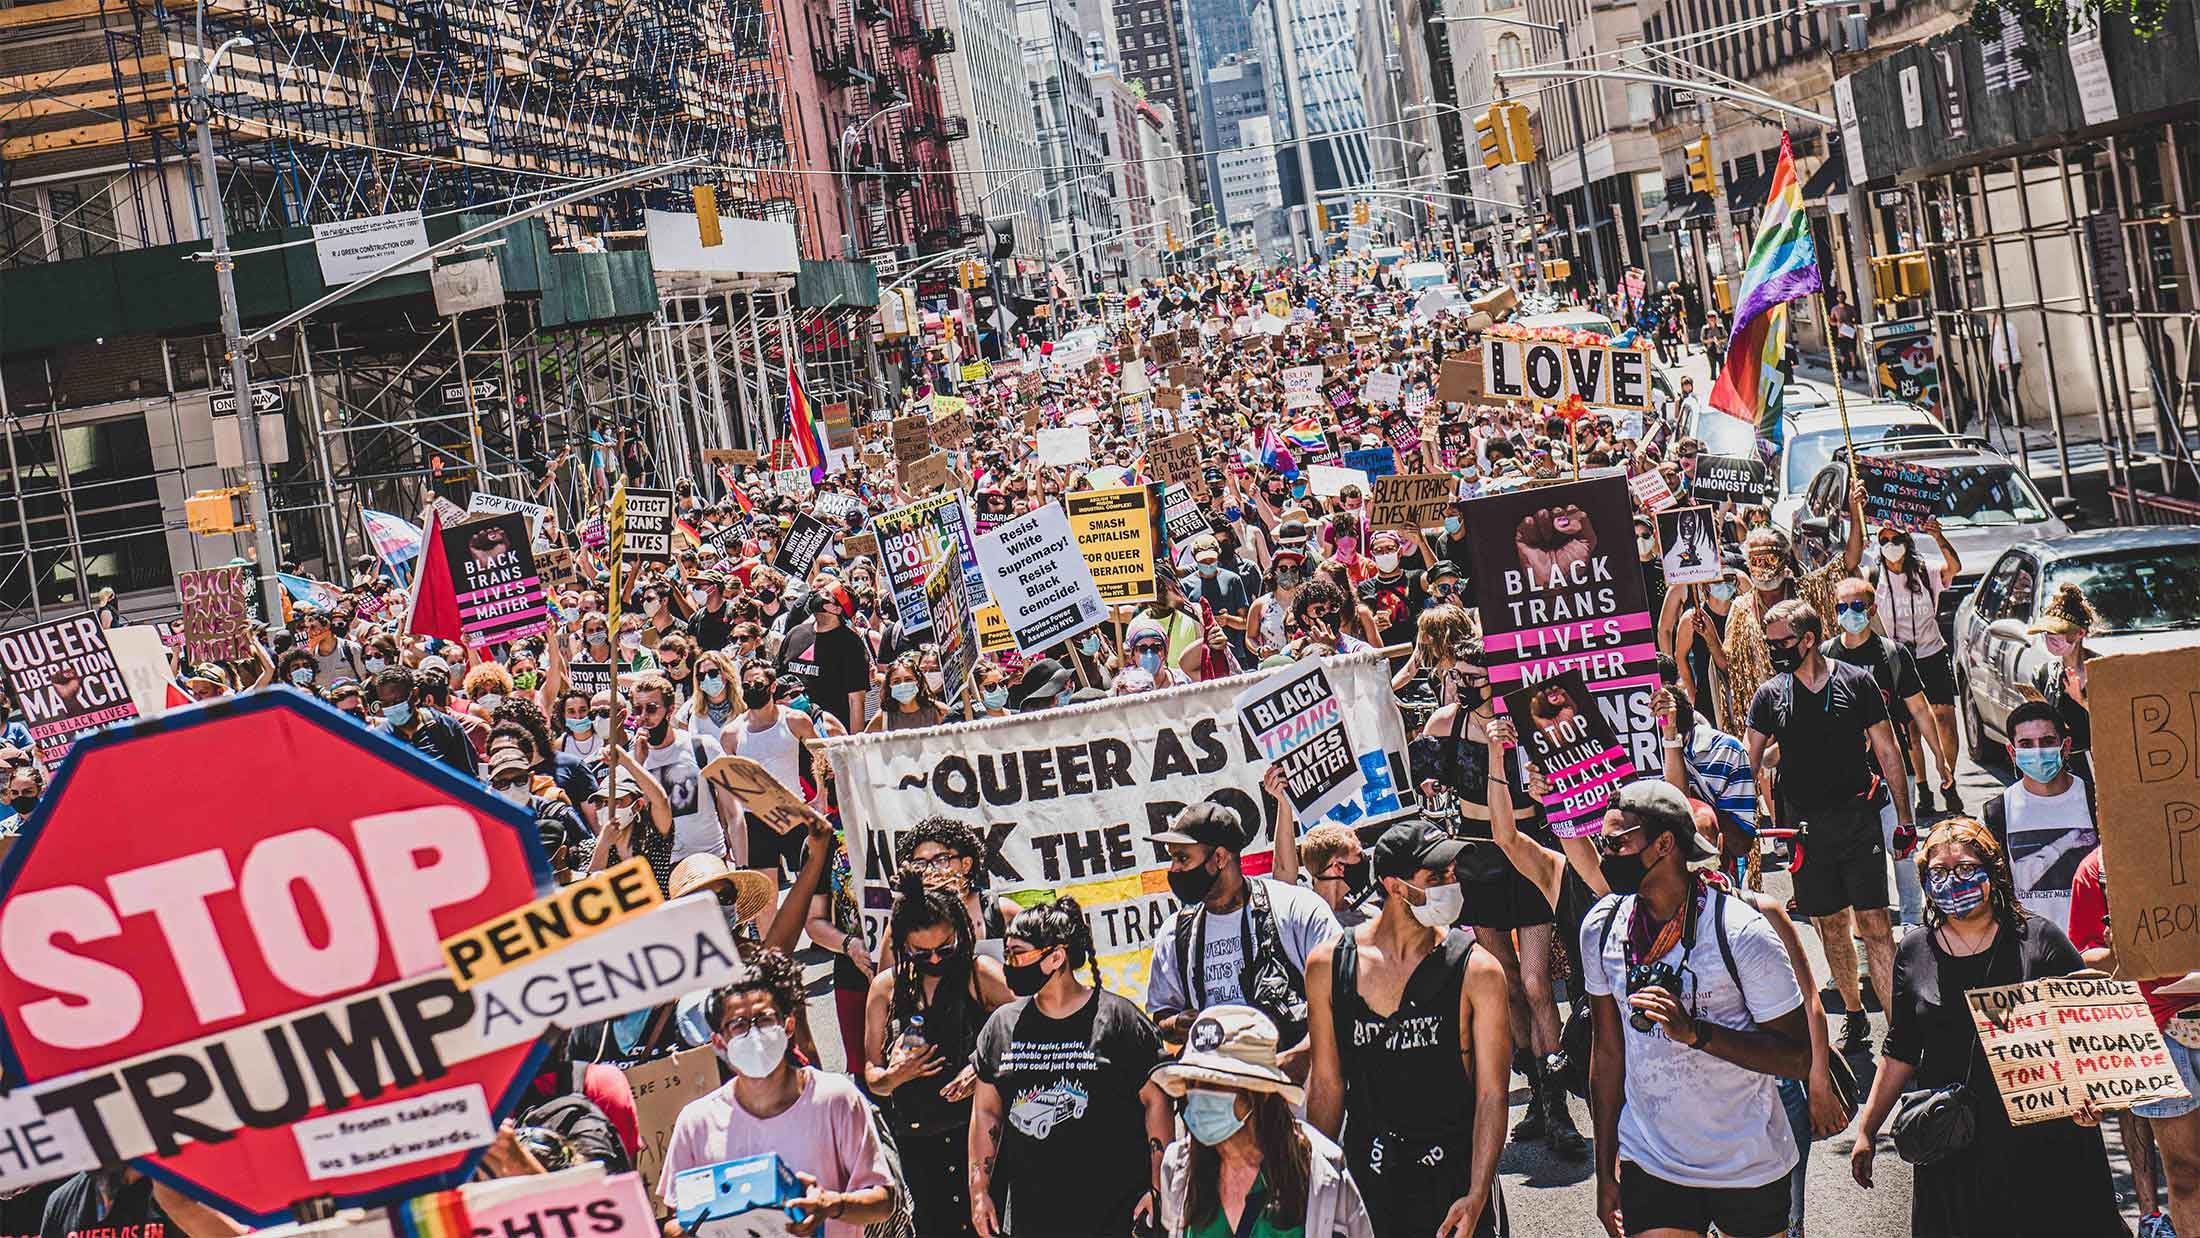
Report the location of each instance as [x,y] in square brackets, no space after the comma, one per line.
[1538,863]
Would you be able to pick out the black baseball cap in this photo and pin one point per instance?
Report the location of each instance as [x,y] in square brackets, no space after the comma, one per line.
[1206,824]
[1410,846]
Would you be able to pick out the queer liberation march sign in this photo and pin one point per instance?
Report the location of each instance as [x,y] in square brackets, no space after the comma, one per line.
[1067,799]
[500,594]
[1569,740]
[257,996]
[65,681]
[2056,1043]
[1740,478]
[910,540]
[1900,495]
[217,625]
[1549,372]
[1560,590]
[1294,718]
[1036,573]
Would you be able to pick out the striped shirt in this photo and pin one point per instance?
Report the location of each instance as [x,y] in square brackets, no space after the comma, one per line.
[1719,773]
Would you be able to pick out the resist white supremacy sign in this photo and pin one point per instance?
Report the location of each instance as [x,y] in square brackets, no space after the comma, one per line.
[1068,799]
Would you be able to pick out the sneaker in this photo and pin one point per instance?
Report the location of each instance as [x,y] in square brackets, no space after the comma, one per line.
[2156,1225]
[1856,1034]
[1954,803]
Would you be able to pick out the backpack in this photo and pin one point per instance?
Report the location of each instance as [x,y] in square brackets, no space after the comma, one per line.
[1271,983]
[576,1118]
[903,1224]
[1576,1038]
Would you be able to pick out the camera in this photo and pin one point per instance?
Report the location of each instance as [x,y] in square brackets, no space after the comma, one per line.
[1642,976]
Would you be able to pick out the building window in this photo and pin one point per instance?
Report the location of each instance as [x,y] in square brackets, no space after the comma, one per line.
[22,229]
[1508,51]
[105,474]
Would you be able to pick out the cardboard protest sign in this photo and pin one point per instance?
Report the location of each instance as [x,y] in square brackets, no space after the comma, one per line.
[1294,719]
[1650,491]
[798,550]
[2058,1042]
[2146,760]
[911,539]
[484,503]
[1689,537]
[793,483]
[930,473]
[1901,495]
[911,437]
[1182,516]
[1460,379]
[762,795]
[1550,372]
[1559,589]
[729,457]
[1036,573]
[663,1088]
[1065,445]
[954,633]
[1383,387]
[1119,533]
[217,625]
[1740,478]
[500,594]
[861,545]
[836,506]
[1066,796]
[1373,461]
[65,681]
[1563,732]
[1327,480]
[1176,458]
[1408,501]
[648,526]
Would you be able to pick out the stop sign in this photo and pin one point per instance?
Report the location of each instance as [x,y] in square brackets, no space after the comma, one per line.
[229,919]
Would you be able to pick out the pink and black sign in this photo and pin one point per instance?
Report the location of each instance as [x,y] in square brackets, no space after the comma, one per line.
[500,594]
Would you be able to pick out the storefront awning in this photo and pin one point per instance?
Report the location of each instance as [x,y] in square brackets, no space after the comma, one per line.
[1684,210]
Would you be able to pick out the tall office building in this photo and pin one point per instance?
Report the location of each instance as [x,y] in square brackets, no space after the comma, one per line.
[982,82]
[1234,91]
[1153,53]
[1066,117]
[1315,46]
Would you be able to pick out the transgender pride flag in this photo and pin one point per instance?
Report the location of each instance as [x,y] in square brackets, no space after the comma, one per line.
[1783,265]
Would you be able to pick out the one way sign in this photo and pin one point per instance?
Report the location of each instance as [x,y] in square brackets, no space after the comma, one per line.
[265,400]
[482,388]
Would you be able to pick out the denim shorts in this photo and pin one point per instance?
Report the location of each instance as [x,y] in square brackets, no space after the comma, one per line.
[2188,1066]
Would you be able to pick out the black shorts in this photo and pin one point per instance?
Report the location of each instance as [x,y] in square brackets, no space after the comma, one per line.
[1408,1184]
[771,850]
[1844,860]
[1938,674]
[1648,1202]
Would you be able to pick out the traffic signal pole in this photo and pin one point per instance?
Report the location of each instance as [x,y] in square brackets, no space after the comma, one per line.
[1722,212]
[1581,153]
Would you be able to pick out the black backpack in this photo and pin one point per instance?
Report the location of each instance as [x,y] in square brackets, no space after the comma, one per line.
[583,1125]
[1270,981]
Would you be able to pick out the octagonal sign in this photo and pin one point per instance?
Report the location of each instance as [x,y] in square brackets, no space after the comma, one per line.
[219,956]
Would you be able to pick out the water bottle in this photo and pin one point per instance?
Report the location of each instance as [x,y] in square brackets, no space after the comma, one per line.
[912,1034]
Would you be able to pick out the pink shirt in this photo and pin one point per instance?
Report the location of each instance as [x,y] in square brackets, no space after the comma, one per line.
[826,1133]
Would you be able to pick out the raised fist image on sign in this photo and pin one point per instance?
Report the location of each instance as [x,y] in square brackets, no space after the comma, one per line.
[1554,541]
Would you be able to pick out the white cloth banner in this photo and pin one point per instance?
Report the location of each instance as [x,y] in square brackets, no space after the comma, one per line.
[1068,799]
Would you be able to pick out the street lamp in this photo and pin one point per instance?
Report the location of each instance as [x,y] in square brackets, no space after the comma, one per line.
[849,137]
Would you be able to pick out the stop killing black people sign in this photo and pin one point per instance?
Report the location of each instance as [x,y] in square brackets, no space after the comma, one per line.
[1560,590]
[1568,739]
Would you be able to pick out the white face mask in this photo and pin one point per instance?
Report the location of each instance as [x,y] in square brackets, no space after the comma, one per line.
[1386,562]
[936,681]
[652,606]
[698,598]
[1442,906]
[757,1052]
[514,794]
[1894,552]
[489,700]
[624,814]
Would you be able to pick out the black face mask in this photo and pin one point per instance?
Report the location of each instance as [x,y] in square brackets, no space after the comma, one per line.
[1624,873]
[933,965]
[756,695]
[22,804]
[1028,979]
[1785,660]
[1355,875]
[659,733]
[1191,886]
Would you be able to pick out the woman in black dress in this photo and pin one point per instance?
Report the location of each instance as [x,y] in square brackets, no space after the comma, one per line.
[2043,1179]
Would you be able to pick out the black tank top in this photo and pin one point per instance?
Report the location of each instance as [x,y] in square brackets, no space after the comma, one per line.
[1404,1074]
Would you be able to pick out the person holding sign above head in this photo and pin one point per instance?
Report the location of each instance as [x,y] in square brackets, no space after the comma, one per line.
[1412,1048]
[1769,568]
[2044,1178]
[1908,609]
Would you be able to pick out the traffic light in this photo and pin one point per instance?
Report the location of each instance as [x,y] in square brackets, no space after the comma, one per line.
[1702,176]
[1489,134]
[1519,142]
[1359,213]
[1321,219]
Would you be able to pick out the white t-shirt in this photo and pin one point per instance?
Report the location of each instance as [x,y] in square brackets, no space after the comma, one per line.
[695,825]
[1691,1118]
[2049,836]
[1303,921]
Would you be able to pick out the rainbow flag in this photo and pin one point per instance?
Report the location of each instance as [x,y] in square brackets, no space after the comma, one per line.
[1783,266]
[808,433]
[441,1215]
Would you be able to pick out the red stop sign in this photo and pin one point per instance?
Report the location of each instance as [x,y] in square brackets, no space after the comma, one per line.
[230,918]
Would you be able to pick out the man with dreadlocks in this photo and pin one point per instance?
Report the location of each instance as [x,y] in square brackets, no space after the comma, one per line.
[920,1026]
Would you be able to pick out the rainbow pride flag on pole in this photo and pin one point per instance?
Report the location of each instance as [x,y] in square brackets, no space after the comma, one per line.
[809,435]
[1783,266]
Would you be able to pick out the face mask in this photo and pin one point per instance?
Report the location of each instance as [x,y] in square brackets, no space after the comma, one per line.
[1645,545]
[1088,644]
[22,804]
[598,638]
[1785,660]
[581,726]
[1149,660]
[1852,621]
[624,815]
[630,640]
[2039,764]
[1442,907]
[712,685]
[515,794]
[374,665]
[1209,569]
[1028,979]
[1298,492]
[489,700]
[995,698]
[696,598]
[303,676]
[1232,514]
[1722,590]
[1894,552]
[1287,578]
[1452,526]
[757,1052]
[1623,873]
[1192,885]
[1347,547]
[526,681]
[904,692]
[398,714]
[1386,563]
[756,695]
[1768,578]
[1956,896]
[652,607]
[1211,1117]
[2058,645]
[935,680]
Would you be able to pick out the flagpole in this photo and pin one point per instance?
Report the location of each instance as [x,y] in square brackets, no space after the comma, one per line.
[1840,394]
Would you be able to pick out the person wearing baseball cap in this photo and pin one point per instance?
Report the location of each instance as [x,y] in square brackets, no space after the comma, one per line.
[1697,1016]
[1237,938]
[1424,1085]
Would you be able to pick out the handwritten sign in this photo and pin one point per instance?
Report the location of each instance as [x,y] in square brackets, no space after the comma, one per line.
[2056,1043]
[1410,501]
[2146,753]
[1901,495]
[661,1089]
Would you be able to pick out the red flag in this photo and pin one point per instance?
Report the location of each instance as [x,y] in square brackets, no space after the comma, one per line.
[432,610]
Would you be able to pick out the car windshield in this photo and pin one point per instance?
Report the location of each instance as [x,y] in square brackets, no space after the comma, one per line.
[1807,453]
[1986,494]
[2145,589]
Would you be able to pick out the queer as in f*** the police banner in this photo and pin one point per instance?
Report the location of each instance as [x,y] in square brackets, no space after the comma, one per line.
[1069,799]
[1559,588]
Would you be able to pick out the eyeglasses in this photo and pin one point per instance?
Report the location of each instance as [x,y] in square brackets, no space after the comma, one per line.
[1967,871]
[1612,842]
[741,1027]
[1025,958]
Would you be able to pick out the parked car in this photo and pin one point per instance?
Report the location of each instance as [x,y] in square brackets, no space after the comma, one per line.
[2143,584]
[1992,505]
